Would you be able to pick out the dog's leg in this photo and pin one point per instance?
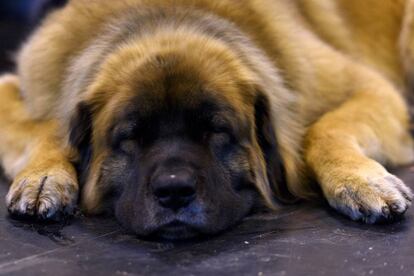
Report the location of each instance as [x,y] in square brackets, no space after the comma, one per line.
[45,183]
[346,147]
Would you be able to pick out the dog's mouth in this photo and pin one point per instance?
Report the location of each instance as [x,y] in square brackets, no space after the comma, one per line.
[176,230]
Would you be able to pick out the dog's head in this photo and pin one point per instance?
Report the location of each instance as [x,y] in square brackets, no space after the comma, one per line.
[176,144]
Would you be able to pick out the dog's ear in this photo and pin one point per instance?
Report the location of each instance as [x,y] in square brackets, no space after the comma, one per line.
[80,136]
[267,140]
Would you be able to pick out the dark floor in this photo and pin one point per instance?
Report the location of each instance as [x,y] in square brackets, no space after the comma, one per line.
[297,240]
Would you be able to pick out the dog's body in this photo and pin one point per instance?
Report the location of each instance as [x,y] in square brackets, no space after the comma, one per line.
[325,79]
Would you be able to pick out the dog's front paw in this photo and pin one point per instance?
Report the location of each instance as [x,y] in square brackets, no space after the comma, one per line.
[376,198]
[46,194]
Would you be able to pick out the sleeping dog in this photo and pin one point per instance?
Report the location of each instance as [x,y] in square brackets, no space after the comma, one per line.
[181,117]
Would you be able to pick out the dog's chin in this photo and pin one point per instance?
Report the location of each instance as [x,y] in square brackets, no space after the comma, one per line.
[176,231]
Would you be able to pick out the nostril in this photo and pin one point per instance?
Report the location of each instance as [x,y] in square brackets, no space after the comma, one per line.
[186,191]
[175,197]
[162,192]
[174,191]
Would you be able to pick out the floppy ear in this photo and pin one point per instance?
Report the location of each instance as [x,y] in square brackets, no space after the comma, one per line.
[80,135]
[267,139]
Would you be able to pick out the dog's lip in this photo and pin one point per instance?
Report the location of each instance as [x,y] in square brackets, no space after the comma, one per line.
[176,230]
[174,223]
[175,226]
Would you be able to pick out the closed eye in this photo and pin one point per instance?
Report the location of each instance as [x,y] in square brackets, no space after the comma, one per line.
[123,132]
[128,146]
[220,124]
[223,128]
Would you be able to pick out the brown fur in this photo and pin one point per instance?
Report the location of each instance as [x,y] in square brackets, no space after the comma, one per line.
[334,73]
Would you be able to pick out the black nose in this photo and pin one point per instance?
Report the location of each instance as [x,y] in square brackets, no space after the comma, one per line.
[174,189]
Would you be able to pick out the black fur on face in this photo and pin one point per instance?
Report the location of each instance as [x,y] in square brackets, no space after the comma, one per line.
[180,172]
